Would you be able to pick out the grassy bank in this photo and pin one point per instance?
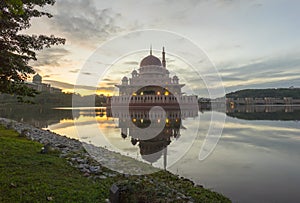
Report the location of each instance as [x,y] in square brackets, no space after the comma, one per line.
[26,175]
[29,176]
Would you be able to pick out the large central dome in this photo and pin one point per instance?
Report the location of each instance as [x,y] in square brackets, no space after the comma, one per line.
[150,61]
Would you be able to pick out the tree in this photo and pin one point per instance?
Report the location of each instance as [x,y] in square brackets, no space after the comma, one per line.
[17,49]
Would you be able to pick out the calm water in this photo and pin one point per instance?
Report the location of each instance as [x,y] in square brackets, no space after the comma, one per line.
[256,160]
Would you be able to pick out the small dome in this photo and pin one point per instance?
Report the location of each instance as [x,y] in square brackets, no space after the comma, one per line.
[125,79]
[150,61]
[37,78]
[175,78]
[134,72]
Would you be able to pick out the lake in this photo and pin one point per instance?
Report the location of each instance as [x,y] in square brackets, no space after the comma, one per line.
[256,159]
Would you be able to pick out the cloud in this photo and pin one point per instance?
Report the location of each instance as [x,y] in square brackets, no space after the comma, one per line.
[59,84]
[263,73]
[107,80]
[111,83]
[51,56]
[64,85]
[219,26]
[83,22]
[105,88]
[36,69]
[134,63]
[86,73]
[74,71]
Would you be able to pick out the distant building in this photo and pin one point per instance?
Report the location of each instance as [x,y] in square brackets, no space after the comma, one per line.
[262,101]
[38,85]
[37,79]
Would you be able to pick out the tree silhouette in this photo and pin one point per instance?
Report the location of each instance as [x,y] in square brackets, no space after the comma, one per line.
[17,49]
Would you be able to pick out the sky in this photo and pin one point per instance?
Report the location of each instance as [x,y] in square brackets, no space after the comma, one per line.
[250,43]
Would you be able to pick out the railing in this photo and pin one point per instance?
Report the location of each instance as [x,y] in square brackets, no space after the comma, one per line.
[151,99]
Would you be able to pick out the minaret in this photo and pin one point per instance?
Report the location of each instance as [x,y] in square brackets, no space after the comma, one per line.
[164,57]
[165,157]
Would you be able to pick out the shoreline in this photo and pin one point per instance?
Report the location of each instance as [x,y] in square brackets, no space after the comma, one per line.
[78,153]
[99,163]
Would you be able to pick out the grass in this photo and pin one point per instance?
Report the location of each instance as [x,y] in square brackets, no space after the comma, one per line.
[164,185]
[29,176]
[26,175]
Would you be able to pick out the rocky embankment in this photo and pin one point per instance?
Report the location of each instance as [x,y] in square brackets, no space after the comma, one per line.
[93,162]
[88,158]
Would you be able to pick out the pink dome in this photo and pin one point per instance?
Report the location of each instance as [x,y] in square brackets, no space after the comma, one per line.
[150,61]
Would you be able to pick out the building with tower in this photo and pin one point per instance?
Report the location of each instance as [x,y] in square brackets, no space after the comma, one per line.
[151,84]
[37,84]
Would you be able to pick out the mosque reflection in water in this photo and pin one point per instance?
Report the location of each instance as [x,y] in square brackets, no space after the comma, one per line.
[154,148]
[151,86]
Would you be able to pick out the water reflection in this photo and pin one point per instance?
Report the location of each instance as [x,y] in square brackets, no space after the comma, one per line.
[265,112]
[154,148]
[36,115]
[256,160]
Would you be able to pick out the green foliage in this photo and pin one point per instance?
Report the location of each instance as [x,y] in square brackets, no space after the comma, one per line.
[15,6]
[163,186]
[16,50]
[187,187]
[262,93]
[54,99]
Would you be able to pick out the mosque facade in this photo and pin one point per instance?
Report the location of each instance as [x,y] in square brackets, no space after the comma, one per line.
[151,84]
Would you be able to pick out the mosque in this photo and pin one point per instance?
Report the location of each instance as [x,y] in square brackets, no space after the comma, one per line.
[151,84]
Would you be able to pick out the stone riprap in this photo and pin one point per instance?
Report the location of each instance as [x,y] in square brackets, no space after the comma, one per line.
[93,161]
[88,158]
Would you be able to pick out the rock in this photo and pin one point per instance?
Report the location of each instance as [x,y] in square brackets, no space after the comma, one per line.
[60,145]
[73,159]
[13,185]
[24,133]
[85,170]
[79,160]
[114,194]
[102,177]
[46,148]
[80,166]
[86,174]
[95,169]
[199,186]
[110,174]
